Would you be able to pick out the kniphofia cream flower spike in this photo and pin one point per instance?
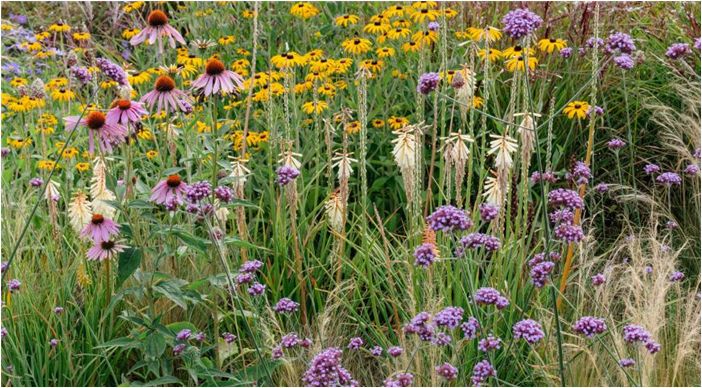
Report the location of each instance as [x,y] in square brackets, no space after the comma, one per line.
[342,162]
[79,211]
[503,146]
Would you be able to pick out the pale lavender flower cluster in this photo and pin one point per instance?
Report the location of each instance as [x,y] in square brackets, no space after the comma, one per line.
[198,191]
[421,326]
[620,42]
[447,371]
[355,343]
[540,272]
[627,362]
[224,193]
[113,71]
[678,50]
[598,279]
[541,257]
[651,169]
[488,296]
[520,22]
[433,26]
[546,176]
[602,188]
[376,351]
[285,306]
[677,276]
[624,61]
[395,351]
[400,380]
[597,110]
[481,372]
[184,335]
[81,74]
[36,182]
[425,255]
[488,211]
[428,82]
[529,330]
[565,198]
[489,343]
[286,174]
[449,218]
[589,326]
[669,179]
[13,285]
[563,215]
[470,328]
[450,317]
[325,370]
[616,144]
[593,42]
[691,170]
[441,339]
[635,333]
[569,233]
[477,240]
[566,52]
[580,173]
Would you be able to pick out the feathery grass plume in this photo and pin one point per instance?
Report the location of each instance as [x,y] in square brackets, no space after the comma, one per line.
[82,277]
[52,196]
[79,211]
[99,191]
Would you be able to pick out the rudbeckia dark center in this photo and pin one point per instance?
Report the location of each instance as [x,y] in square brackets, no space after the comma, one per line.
[173,181]
[95,120]
[157,18]
[552,40]
[577,106]
[517,48]
[214,67]
[164,84]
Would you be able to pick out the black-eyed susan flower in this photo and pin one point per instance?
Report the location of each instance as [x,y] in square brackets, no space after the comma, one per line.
[373,65]
[312,107]
[82,166]
[130,33]
[304,10]
[59,27]
[402,23]
[190,59]
[492,34]
[411,47]
[302,87]
[397,10]
[327,89]
[69,153]
[478,102]
[288,60]
[494,54]
[139,78]
[551,45]
[47,165]
[248,14]
[63,95]
[376,28]
[226,40]
[576,109]
[379,18]
[516,51]
[518,63]
[313,55]
[450,13]
[17,81]
[133,6]
[342,65]
[357,45]
[425,38]
[399,75]
[398,33]
[424,15]
[352,128]
[346,20]
[322,65]
[396,122]
[385,52]
[424,4]
[42,35]
[81,36]
[378,123]
[243,51]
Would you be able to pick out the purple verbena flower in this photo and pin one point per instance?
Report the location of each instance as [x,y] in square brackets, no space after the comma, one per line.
[651,168]
[488,296]
[447,371]
[481,372]
[184,335]
[620,42]
[589,326]
[355,343]
[428,82]
[224,193]
[598,279]
[678,50]
[669,179]
[489,343]
[627,362]
[520,22]
[488,211]
[565,198]
[395,351]
[624,61]
[425,255]
[529,330]
[286,174]
[677,276]
[285,306]
[450,317]
[325,370]
[616,144]
[448,218]
[569,233]
[470,328]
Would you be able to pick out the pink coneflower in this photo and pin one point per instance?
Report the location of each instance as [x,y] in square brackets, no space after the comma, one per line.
[108,135]
[104,250]
[166,95]
[217,78]
[125,112]
[99,228]
[168,190]
[158,28]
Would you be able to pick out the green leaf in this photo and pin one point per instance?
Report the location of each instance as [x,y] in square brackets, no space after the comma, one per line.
[163,381]
[155,345]
[239,243]
[140,204]
[192,241]
[173,170]
[173,292]
[129,261]
[178,326]
[121,342]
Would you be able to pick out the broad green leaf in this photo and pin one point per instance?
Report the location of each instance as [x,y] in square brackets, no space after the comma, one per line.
[129,261]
